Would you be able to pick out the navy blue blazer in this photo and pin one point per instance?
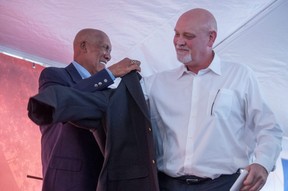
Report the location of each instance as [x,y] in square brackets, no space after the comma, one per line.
[129,160]
[71,158]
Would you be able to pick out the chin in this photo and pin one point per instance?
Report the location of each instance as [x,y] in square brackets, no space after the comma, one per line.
[185,60]
[99,68]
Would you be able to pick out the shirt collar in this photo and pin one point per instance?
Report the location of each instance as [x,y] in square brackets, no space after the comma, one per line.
[180,71]
[215,67]
[81,70]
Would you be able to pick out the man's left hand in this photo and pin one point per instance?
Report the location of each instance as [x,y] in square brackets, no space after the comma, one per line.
[256,178]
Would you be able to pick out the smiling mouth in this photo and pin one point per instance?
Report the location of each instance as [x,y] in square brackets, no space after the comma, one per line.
[103,62]
[181,51]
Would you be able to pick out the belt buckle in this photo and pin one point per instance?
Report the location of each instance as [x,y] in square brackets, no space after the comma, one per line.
[192,180]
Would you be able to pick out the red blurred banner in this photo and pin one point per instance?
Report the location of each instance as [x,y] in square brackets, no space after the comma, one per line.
[19,137]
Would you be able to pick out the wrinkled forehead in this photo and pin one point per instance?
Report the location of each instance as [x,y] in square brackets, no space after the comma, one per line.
[100,39]
[187,25]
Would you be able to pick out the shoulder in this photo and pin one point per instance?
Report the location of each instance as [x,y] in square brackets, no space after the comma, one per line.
[55,72]
[164,74]
[53,76]
[52,70]
[161,79]
[237,68]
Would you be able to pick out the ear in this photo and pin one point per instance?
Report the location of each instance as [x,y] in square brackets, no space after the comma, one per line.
[83,46]
[212,38]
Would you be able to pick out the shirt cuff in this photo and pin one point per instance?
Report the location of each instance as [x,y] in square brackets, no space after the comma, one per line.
[110,74]
[266,163]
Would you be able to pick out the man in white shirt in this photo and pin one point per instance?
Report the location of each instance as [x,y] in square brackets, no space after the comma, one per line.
[209,117]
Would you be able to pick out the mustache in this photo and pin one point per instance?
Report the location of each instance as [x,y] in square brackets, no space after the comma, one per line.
[181,48]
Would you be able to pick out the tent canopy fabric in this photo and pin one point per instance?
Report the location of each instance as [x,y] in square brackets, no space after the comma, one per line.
[249,32]
[45,29]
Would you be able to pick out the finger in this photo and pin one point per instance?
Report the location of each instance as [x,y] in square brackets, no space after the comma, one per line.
[257,186]
[252,184]
[135,67]
[135,62]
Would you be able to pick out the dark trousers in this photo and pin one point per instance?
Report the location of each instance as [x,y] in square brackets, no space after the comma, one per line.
[222,183]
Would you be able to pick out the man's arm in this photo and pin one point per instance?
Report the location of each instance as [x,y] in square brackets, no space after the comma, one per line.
[99,81]
[63,104]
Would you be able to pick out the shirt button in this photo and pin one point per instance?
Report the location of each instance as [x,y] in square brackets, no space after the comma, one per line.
[153,161]
[95,85]
[150,129]
[105,80]
[100,83]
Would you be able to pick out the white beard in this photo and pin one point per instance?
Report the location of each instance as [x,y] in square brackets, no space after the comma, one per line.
[185,59]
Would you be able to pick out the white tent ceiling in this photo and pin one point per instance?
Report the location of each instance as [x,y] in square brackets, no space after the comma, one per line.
[44,30]
[253,32]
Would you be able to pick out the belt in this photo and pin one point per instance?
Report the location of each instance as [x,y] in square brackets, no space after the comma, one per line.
[191,179]
[188,179]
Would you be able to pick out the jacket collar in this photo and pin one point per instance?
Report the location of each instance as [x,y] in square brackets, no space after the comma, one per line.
[132,83]
[74,74]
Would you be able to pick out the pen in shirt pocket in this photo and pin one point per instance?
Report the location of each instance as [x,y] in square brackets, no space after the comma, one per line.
[212,107]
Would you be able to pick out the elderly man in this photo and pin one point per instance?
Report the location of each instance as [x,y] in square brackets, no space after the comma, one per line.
[71,157]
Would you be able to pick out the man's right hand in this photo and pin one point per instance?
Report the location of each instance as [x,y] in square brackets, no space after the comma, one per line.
[124,66]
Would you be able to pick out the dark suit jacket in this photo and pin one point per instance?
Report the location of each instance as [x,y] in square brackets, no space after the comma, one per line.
[129,162]
[71,158]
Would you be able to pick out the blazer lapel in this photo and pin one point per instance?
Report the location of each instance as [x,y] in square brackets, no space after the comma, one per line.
[75,76]
[131,81]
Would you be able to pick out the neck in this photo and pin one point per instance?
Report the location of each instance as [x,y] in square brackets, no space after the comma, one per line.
[195,67]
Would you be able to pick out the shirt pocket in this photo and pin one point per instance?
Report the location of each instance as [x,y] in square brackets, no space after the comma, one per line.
[222,103]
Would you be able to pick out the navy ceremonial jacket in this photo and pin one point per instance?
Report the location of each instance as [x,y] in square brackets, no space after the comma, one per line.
[125,137]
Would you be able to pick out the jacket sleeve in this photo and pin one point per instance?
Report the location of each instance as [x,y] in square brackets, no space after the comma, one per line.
[97,82]
[60,76]
[63,104]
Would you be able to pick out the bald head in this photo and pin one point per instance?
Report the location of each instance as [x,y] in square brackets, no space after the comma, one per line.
[201,18]
[89,35]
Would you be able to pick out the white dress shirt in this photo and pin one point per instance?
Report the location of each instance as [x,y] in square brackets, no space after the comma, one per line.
[210,123]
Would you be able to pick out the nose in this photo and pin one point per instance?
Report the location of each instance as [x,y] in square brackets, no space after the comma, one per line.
[180,42]
[107,56]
